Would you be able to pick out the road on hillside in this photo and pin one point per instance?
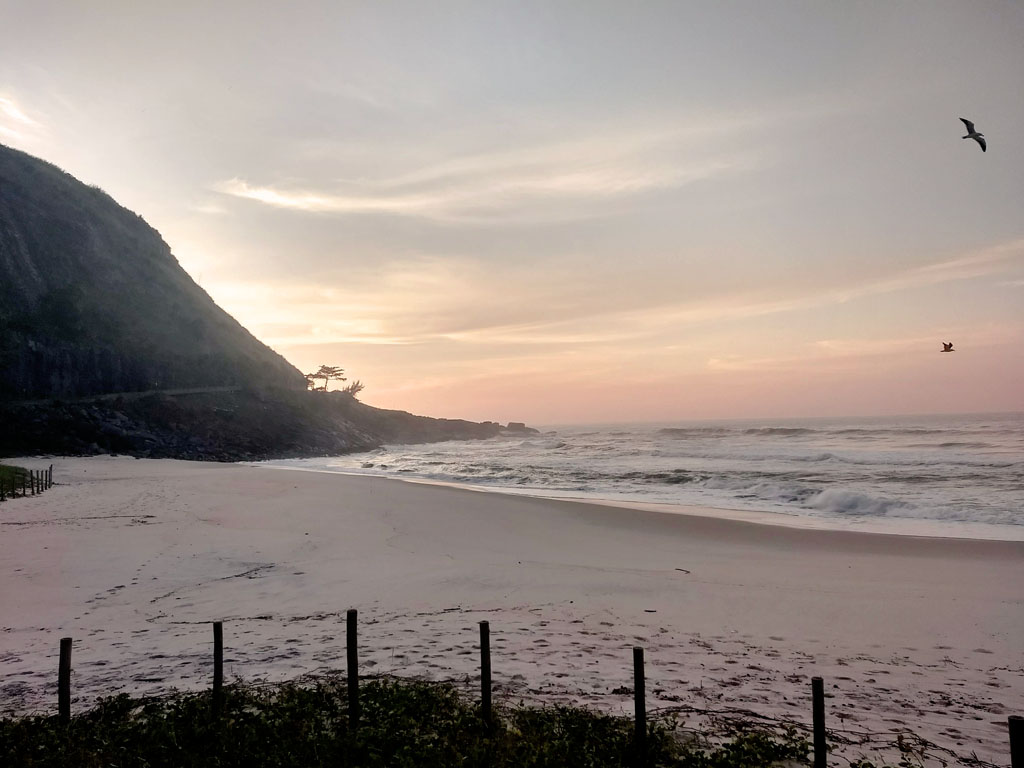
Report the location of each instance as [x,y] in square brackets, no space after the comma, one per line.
[126,395]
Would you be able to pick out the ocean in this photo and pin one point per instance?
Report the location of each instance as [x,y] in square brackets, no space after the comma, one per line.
[938,475]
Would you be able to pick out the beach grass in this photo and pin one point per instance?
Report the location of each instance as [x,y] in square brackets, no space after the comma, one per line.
[402,723]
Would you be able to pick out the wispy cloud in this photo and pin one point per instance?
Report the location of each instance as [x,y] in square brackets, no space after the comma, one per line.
[316,202]
[15,123]
[208,208]
[12,111]
[986,261]
[840,353]
[590,170]
[450,300]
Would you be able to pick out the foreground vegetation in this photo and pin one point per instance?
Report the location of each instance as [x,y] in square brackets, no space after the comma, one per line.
[10,474]
[12,477]
[402,724]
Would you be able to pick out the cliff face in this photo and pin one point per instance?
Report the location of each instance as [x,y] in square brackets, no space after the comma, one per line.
[93,301]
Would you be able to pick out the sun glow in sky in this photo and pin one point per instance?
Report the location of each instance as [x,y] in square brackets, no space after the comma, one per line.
[562,211]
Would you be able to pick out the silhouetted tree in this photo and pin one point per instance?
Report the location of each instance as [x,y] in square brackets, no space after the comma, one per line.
[354,388]
[327,373]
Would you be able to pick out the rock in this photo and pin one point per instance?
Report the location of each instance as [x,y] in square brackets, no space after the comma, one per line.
[520,427]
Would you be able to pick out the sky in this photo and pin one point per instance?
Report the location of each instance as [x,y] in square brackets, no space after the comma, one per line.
[560,212]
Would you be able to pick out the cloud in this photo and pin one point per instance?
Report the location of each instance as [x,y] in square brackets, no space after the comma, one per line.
[520,182]
[833,353]
[987,261]
[459,301]
[210,209]
[16,125]
[317,202]
[14,112]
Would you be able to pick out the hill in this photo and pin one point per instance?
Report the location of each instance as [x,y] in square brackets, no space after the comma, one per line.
[107,345]
[93,301]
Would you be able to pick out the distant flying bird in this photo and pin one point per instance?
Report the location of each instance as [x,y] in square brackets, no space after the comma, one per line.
[947,346]
[973,134]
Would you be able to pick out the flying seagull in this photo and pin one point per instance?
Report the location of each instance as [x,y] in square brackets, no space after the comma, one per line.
[947,346]
[973,134]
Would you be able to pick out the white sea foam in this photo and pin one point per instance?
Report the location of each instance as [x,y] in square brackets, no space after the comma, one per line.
[966,470]
[841,501]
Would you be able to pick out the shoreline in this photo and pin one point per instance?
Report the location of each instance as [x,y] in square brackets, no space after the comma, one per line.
[134,558]
[929,529]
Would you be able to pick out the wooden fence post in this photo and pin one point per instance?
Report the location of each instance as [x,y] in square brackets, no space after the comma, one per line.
[218,666]
[818,714]
[485,671]
[1016,724]
[64,682]
[640,708]
[49,476]
[32,481]
[353,667]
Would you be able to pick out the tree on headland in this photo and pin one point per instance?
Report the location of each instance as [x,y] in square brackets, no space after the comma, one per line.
[327,373]
[354,388]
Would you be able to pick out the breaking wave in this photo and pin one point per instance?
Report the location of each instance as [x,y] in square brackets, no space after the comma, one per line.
[951,469]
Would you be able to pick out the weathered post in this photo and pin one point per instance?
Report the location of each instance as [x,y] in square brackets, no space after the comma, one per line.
[485,671]
[640,707]
[353,667]
[218,666]
[64,682]
[818,714]
[1016,723]
[32,481]
[49,476]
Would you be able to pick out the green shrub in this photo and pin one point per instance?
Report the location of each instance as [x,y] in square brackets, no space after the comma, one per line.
[402,724]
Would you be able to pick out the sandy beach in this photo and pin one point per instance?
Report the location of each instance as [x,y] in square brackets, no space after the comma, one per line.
[134,558]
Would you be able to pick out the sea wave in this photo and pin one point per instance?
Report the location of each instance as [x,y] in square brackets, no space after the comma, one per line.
[881,432]
[684,432]
[843,501]
[956,470]
[781,431]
